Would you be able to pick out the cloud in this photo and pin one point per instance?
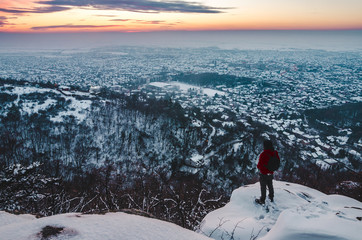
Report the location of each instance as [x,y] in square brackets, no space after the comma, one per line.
[120,20]
[146,6]
[2,21]
[17,11]
[73,26]
[103,15]
[150,22]
[48,9]
[139,21]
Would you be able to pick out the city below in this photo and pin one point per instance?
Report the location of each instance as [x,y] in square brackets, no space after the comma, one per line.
[272,87]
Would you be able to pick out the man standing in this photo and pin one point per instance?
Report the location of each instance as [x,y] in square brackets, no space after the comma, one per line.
[266,176]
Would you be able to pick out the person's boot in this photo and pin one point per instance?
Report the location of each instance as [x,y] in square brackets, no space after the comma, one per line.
[271,199]
[260,201]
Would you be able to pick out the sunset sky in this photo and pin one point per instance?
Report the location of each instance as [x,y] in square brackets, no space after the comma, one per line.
[194,15]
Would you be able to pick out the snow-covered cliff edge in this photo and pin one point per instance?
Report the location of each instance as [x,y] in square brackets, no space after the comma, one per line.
[298,212]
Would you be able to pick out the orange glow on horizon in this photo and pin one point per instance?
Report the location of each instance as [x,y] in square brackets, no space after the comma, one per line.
[31,16]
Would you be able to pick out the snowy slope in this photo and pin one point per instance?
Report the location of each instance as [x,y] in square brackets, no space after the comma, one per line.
[75,107]
[78,226]
[298,213]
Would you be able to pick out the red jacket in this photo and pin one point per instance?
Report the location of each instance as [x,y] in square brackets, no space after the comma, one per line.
[264,159]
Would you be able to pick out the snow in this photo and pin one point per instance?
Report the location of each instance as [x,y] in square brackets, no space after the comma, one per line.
[298,213]
[298,131]
[342,139]
[330,161]
[292,137]
[358,99]
[77,109]
[354,152]
[326,163]
[7,218]
[159,84]
[79,226]
[224,117]
[196,123]
[228,124]
[220,132]
[27,89]
[208,91]
[186,87]
[34,107]
[329,218]
[196,158]
[275,126]
[237,146]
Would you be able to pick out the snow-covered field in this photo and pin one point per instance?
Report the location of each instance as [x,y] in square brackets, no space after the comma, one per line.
[185,87]
[298,213]
[98,227]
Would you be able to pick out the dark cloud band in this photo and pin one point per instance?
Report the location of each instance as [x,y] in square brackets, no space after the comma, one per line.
[73,26]
[2,21]
[48,9]
[139,21]
[149,6]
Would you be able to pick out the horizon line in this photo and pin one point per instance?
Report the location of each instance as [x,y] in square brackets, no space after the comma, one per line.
[203,30]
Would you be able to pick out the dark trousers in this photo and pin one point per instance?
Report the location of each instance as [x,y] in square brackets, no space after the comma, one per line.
[266,180]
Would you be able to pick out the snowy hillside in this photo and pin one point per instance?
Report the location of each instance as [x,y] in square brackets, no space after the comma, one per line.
[33,100]
[78,226]
[130,149]
[299,212]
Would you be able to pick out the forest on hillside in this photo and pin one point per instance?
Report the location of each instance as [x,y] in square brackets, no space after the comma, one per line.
[330,120]
[133,152]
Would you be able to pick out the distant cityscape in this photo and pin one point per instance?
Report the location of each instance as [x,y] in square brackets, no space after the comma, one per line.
[285,83]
